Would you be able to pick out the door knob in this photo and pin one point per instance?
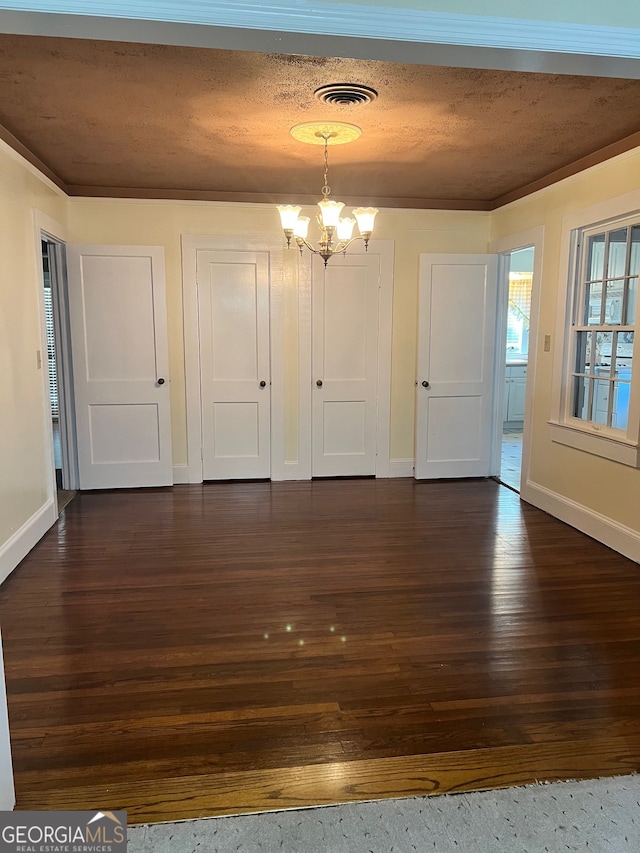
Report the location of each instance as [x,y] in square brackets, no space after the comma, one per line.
[161,381]
[425,384]
[262,384]
[319,383]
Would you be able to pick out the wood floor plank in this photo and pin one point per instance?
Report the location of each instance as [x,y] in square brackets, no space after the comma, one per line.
[182,798]
[235,647]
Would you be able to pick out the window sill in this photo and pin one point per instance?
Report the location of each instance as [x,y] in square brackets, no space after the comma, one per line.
[618,450]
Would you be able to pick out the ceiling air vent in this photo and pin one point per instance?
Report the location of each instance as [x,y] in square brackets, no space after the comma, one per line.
[346,94]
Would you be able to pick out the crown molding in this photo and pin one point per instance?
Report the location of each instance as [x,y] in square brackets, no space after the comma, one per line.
[186,194]
[595,158]
[12,146]
[340,29]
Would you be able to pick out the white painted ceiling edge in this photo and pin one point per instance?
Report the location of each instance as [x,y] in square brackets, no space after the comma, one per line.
[340,29]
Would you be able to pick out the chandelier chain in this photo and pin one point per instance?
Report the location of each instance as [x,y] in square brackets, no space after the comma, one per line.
[326,189]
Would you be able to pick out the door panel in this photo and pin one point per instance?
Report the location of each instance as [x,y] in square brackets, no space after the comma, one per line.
[345,360]
[236,430]
[233,312]
[456,347]
[344,427]
[462,415]
[346,310]
[138,422]
[118,297]
[119,346]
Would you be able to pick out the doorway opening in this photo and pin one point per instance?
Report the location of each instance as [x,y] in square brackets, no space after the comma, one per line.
[58,369]
[519,268]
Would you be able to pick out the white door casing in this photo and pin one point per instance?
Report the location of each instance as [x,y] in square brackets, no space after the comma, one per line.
[384,251]
[345,340]
[63,361]
[120,365]
[456,353]
[233,314]
[192,245]
[534,238]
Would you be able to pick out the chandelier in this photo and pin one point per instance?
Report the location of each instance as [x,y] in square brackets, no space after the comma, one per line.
[336,233]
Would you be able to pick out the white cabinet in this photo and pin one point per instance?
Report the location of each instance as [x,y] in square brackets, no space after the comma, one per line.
[514,393]
[602,389]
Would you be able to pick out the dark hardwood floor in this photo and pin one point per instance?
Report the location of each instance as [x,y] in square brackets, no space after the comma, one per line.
[237,647]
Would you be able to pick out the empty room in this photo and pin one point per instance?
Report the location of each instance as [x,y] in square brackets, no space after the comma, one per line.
[277,292]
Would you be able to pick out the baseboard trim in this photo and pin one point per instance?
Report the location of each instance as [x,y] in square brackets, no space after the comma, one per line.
[395,468]
[180,475]
[16,548]
[293,471]
[401,467]
[383,468]
[617,536]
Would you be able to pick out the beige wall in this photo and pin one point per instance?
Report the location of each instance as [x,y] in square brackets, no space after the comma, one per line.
[25,477]
[602,486]
[162,223]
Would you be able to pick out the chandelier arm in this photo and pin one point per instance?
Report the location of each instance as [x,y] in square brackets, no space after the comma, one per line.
[344,245]
[301,241]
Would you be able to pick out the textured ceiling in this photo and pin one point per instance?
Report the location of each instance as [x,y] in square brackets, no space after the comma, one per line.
[129,119]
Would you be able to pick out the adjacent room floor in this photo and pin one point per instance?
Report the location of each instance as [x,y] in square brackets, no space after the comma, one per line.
[232,648]
[511,462]
[64,496]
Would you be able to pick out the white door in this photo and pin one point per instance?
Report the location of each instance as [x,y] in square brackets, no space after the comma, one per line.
[345,304]
[456,350]
[233,319]
[120,365]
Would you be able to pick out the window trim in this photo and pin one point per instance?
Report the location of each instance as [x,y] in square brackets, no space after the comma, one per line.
[597,439]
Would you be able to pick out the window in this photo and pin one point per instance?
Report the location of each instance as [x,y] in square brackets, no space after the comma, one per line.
[597,397]
[607,296]
[518,315]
